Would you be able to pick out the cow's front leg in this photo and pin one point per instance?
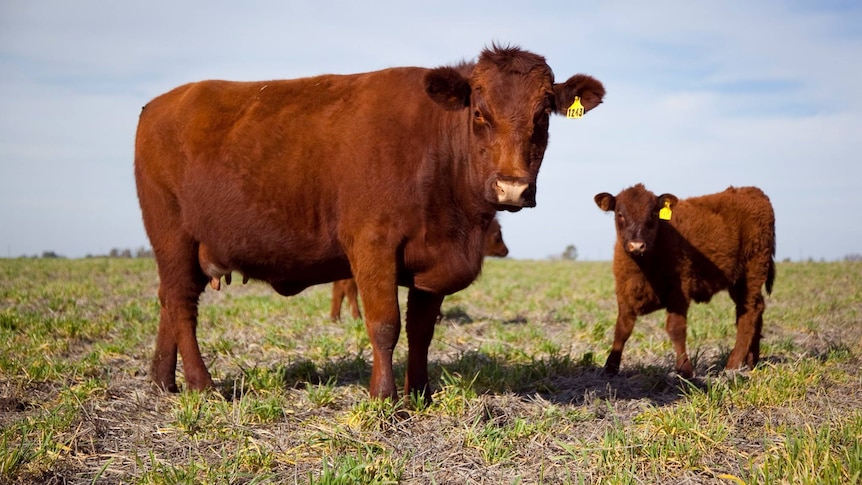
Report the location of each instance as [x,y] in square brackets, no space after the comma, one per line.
[676,330]
[383,323]
[422,311]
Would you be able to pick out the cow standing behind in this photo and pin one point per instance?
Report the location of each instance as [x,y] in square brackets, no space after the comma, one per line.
[342,289]
[346,288]
[391,176]
[708,244]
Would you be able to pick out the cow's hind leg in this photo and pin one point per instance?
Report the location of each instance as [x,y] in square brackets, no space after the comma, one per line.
[353,298]
[422,310]
[749,323]
[181,283]
[337,299]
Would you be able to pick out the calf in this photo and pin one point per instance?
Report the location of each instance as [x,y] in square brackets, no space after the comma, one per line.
[670,252]
[494,246]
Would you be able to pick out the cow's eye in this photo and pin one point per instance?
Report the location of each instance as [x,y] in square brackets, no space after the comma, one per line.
[477,116]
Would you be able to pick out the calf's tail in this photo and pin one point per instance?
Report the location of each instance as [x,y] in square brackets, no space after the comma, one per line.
[770,276]
[770,270]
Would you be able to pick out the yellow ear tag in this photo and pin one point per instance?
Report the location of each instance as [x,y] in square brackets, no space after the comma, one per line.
[576,110]
[665,212]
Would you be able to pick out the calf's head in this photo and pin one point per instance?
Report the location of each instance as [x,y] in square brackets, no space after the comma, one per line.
[636,214]
[509,95]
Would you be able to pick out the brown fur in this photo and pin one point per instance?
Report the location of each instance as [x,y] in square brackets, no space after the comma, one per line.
[341,289]
[723,241]
[392,176]
[494,246]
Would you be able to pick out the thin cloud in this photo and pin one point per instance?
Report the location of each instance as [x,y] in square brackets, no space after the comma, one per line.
[700,96]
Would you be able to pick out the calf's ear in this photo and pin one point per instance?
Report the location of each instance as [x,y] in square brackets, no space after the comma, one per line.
[669,199]
[605,201]
[589,89]
[448,88]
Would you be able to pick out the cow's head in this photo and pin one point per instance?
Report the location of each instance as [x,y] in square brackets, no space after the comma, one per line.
[636,211]
[509,94]
[494,245]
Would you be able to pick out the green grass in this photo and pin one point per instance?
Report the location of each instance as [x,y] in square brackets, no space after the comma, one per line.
[519,393]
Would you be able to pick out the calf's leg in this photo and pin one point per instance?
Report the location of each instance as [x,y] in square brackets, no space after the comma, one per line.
[422,311]
[749,324]
[622,331]
[676,329]
[753,356]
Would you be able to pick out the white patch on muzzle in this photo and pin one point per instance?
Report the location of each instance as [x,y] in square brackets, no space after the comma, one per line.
[510,193]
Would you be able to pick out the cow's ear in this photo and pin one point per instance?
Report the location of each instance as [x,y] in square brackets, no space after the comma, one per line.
[589,89]
[668,200]
[605,201]
[448,88]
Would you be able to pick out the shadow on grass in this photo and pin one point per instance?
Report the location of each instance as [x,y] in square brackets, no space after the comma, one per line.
[556,378]
[563,380]
[297,375]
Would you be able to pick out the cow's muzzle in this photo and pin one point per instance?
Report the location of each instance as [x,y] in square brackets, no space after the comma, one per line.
[514,194]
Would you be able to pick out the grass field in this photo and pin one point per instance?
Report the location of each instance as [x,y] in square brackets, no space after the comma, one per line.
[516,364]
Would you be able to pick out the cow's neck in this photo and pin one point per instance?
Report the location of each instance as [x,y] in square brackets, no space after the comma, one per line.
[468,168]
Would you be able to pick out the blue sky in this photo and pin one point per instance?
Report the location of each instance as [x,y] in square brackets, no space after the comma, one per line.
[701,95]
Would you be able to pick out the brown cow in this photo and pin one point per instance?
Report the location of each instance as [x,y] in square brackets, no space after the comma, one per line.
[390,176]
[494,246]
[670,252]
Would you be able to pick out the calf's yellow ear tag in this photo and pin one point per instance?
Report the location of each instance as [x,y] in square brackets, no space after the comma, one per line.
[665,212]
[576,110]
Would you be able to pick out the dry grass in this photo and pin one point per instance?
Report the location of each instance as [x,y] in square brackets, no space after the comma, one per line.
[516,361]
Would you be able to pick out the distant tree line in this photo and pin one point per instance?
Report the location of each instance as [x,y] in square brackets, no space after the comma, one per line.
[141,252]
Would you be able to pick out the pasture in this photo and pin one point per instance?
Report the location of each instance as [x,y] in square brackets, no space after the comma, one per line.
[516,363]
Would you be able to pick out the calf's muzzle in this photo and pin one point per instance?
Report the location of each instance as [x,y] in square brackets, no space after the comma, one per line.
[635,248]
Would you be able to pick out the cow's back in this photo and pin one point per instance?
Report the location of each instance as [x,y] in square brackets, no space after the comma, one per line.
[255,174]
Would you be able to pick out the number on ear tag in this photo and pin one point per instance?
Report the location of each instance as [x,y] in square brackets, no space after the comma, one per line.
[576,110]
